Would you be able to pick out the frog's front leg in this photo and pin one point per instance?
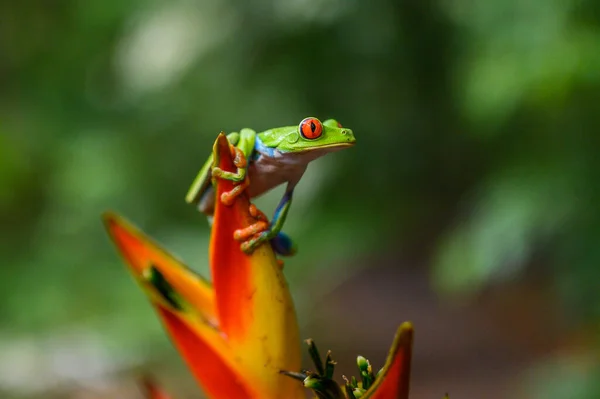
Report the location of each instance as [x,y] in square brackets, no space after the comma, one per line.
[274,229]
[240,153]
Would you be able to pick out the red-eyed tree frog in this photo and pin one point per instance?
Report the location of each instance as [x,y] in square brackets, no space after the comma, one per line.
[264,161]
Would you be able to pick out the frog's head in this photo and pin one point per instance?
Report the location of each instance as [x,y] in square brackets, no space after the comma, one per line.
[309,136]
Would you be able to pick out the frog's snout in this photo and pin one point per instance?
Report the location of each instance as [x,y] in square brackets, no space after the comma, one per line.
[349,136]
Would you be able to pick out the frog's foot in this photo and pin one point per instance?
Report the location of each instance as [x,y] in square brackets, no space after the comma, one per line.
[249,245]
[261,225]
[255,234]
[257,213]
[240,162]
[228,197]
[241,177]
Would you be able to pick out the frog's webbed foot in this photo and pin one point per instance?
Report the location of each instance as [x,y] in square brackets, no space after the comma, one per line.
[261,226]
[250,245]
[255,241]
[259,232]
[228,197]
[253,235]
[280,242]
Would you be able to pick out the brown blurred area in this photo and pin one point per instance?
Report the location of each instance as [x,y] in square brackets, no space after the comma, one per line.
[478,347]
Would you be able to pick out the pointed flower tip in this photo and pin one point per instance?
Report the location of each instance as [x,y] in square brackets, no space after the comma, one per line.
[407,326]
[110,219]
[221,147]
[151,390]
[106,216]
[393,379]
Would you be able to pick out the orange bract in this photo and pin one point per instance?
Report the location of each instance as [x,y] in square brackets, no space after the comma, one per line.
[141,252]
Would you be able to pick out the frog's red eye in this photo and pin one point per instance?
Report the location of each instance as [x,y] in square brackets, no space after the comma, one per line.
[339,125]
[311,128]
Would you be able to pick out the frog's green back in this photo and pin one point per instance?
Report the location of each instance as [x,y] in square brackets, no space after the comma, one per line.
[309,134]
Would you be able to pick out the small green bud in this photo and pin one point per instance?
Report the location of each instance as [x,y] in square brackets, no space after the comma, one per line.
[324,388]
[366,372]
[362,363]
[312,382]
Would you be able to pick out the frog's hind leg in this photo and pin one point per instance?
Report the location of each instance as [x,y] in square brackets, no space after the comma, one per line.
[281,243]
[273,231]
[201,189]
[261,225]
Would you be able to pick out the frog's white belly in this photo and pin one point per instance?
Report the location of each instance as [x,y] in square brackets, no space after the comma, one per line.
[266,173]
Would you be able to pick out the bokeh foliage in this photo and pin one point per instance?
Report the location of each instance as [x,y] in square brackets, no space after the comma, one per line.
[476,121]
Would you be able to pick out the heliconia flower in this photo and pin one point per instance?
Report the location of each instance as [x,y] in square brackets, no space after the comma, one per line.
[239,334]
[391,382]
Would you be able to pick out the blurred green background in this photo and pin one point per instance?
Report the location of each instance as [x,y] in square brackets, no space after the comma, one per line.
[469,205]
